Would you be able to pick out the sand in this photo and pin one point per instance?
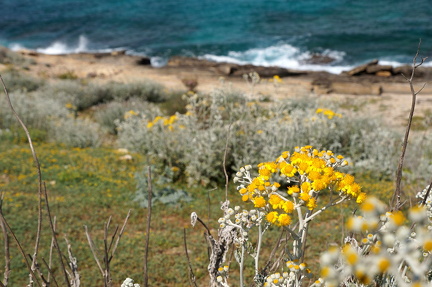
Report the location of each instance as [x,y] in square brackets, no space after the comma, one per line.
[392,105]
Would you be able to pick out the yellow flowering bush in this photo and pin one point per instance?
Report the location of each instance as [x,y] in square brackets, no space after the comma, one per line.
[307,172]
[285,193]
[328,113]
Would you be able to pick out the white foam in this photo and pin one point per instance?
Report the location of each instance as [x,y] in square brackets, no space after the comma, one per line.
[283,55]
[60,47]
[16,47]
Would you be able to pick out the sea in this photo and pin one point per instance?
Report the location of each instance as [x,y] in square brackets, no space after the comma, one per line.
[285,33]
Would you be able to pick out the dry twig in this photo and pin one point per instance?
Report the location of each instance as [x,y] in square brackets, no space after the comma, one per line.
[192,278]
[396,200]
[6,247]
[39,173]
[149,211]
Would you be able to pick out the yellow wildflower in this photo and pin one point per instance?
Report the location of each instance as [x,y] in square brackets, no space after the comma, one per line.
[284,220]
[272,217]
[259,201]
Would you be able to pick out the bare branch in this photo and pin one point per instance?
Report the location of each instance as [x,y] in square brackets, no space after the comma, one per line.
[396,200]
[121,232]
[50,272]
[19,247]
[93,250]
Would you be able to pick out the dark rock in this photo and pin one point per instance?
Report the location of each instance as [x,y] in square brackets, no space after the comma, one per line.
[361,69]
[145,61]
[179,61]
[317,59]
[266,72]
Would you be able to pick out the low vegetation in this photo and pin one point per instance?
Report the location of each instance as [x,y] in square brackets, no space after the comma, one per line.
[96,142]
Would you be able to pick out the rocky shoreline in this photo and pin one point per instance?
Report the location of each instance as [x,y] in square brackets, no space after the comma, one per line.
[383,88]
[368,79]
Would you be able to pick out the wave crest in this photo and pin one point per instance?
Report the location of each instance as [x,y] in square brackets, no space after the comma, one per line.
[283,55]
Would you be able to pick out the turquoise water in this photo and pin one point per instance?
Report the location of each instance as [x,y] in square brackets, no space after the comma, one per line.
[263,32]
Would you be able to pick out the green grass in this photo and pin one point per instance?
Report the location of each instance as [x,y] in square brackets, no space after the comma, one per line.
[87,186]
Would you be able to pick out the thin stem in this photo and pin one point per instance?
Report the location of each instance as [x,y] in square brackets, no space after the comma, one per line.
[120,233]
[224,162]
[93,250]
[258,250]
[39,173]
[20,248]
[192,278]
[242,264]
[396,200]
[50,272]
[330,204]
[6,247]
[54,237]
[149,212]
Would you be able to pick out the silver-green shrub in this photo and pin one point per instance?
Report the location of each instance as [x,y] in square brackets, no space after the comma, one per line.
[75,132]
[195,141]
[18,81]
[36,112]
[80,96]
[111,114]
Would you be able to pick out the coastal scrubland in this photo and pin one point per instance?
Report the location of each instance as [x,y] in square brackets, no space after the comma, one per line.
[96,139]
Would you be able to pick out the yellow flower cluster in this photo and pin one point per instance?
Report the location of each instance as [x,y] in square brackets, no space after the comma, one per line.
[328,113]
[166,121]
[130,114]
[311,171]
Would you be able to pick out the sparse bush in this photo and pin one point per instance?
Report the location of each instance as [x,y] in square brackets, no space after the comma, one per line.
[8,57]
[35,111]
[113,113]
[145,91]
[19,82]
[76,132]
[83,96]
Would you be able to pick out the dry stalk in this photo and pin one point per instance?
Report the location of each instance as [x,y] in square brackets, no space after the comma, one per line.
[93,250]
[51,249]
[50,272]
[39,173]
[108,251]
[73,264]
[6,247]
[54,237]
[147,240]
[192,278]
[396,200]
[29,267]
[224,162]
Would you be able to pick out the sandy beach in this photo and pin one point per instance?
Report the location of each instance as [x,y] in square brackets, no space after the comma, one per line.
[386,96]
